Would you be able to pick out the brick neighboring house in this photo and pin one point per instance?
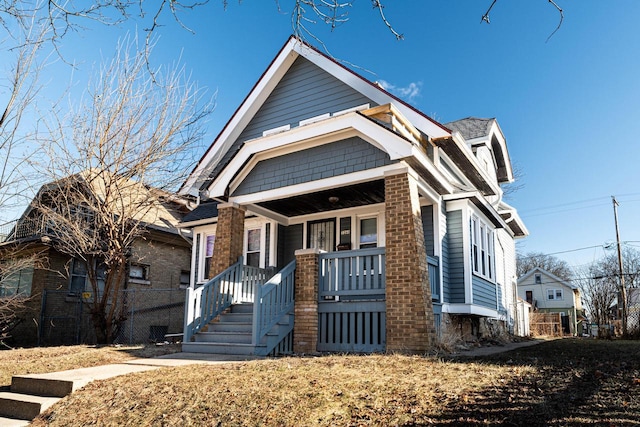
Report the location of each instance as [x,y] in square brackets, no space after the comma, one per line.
[391,224]
[58,288]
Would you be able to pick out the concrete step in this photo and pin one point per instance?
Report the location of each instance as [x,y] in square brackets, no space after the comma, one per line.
[218,348]
[226,337]
[60,384]
[24,406]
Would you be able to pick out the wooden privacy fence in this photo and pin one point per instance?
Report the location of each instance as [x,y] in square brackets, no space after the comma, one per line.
[546,324]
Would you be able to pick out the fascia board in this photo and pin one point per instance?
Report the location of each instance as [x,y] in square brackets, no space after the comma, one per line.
[417,153]
[332,129]
[479,202]
[244,114]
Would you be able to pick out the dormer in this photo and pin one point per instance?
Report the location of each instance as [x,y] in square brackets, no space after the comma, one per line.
[487,142]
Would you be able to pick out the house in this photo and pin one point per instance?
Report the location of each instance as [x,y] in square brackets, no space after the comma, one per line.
[633,310]
[56,284]
[391,225]
[548,293]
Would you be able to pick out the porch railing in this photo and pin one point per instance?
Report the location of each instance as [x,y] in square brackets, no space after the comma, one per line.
[352,273]
[211,299]
[433,264]
[273,300]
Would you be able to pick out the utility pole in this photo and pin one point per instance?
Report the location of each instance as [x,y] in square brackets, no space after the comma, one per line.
[623,289]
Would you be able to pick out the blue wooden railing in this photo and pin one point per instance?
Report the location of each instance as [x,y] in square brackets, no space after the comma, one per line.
[351,273]
[433,264]
[272,301]
[211,299]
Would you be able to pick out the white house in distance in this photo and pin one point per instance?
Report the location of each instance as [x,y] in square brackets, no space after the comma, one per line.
[389,223]
[548,293]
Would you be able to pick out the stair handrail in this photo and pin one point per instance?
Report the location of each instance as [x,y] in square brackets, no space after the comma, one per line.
[272,301]
[208,301]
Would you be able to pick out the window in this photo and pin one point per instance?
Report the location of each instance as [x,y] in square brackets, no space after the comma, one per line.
[482,248]
[185,278]
[253,247]
[78,276]
[210,240]
[138,273]
[17,283]
[554,294]
[368,233]
[538,278]
[79,280]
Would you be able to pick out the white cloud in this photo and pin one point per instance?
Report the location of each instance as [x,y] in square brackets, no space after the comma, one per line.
[408,93]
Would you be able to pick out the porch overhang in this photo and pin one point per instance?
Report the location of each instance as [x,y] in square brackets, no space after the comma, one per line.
[326,131]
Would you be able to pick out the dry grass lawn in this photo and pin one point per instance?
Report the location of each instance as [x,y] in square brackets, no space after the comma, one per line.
[561,382]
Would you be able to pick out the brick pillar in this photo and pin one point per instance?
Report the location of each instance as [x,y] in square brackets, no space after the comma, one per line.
[305,332]
[229,238]
[410,325]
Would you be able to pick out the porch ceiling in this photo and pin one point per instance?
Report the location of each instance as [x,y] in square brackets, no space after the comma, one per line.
[348,197]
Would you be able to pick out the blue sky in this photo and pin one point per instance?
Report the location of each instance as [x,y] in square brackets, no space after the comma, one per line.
[569,107]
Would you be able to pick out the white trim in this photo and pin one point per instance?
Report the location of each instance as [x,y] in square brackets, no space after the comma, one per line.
[277,130]
[313,119]
[352,109]
[469,309]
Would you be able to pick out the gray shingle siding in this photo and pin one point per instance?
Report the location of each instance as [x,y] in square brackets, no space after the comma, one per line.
[484,292]
[305,91]
[324,161]
[445,260]
[455,257]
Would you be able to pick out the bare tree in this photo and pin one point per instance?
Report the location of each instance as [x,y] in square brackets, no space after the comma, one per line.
[598,293]
[554,265]
[112,166]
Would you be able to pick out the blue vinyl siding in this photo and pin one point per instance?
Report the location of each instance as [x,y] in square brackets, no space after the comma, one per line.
[455,265]
[484,292]
[305,91]
[324,161]
[427,228]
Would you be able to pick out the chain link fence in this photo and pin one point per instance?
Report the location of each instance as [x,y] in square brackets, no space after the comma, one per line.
[149,314]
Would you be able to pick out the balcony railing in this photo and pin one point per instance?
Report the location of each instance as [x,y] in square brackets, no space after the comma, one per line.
[21,229]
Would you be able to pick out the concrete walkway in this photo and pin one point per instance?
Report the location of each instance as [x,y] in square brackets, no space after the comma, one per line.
[32,394]
[495,349]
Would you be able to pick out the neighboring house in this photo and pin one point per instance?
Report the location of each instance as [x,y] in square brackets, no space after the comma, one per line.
[633,310]
[548,293]
[395,222]
[58,287]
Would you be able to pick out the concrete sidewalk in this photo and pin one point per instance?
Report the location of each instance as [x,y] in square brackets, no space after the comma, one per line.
[489,350]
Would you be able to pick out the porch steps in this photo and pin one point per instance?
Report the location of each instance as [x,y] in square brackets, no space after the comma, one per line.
[231,334]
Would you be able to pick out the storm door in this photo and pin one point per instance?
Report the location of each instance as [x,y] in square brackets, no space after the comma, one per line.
[322,235]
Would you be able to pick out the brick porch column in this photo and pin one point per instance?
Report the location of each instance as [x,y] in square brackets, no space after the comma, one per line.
[229,238]
[305,330]
[410,325]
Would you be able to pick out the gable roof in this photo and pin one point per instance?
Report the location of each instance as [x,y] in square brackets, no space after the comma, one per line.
[290,51]
[552,276]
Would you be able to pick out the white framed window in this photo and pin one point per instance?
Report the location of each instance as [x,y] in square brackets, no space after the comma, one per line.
[139,273]
[253,247]
[482,248]
[209,243]
[368,232]
[554,294]
[79,277]
[538,279]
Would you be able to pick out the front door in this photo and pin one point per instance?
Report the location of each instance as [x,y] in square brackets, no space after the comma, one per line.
[322,235]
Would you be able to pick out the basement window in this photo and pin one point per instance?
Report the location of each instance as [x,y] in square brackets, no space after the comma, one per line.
[139,273]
